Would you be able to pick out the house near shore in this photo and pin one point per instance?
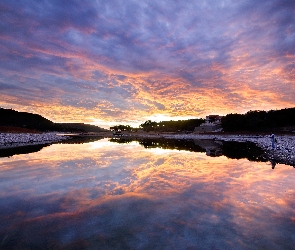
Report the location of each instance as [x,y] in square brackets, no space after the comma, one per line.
[212,124]
[214,119]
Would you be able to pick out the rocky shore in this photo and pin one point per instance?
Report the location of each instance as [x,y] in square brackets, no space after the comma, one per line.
[9,140]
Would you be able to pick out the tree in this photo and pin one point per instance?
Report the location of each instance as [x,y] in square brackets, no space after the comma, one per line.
[121,128]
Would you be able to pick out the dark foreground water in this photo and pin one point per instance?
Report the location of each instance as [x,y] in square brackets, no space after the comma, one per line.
[145,195]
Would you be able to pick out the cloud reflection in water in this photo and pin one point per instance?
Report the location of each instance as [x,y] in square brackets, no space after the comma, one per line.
[109,195]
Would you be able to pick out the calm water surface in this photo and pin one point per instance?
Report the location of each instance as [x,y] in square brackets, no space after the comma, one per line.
[106,195]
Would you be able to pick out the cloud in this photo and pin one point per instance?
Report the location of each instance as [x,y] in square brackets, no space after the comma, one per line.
[127,52]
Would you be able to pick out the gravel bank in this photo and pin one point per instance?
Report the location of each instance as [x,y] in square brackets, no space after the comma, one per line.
[8,140]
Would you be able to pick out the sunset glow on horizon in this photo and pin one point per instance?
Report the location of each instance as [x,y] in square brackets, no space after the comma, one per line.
[124,61]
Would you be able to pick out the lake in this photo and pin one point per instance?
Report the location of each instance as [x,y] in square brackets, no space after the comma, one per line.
[124,194]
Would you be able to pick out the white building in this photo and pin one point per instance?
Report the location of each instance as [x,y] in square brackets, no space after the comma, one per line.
[212,124]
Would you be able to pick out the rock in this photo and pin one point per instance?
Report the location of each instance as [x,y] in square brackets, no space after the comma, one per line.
[21,139]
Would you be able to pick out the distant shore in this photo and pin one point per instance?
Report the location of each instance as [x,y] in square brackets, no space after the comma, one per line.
[284,151]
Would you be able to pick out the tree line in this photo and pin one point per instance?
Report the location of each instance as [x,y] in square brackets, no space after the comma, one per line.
[163,126]
[275,120]
[172,126]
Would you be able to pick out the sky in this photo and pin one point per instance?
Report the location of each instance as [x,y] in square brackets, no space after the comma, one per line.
[109,62]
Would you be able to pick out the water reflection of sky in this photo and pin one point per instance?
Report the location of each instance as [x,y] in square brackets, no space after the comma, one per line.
[107,195]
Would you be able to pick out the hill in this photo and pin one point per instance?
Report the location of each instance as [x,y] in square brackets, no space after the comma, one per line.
[23,121]
[79,127]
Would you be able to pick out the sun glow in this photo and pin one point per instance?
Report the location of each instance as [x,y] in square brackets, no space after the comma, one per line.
[165,117]
[105,75]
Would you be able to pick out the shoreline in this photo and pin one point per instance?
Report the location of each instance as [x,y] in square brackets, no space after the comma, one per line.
[284,151]
[13,140]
